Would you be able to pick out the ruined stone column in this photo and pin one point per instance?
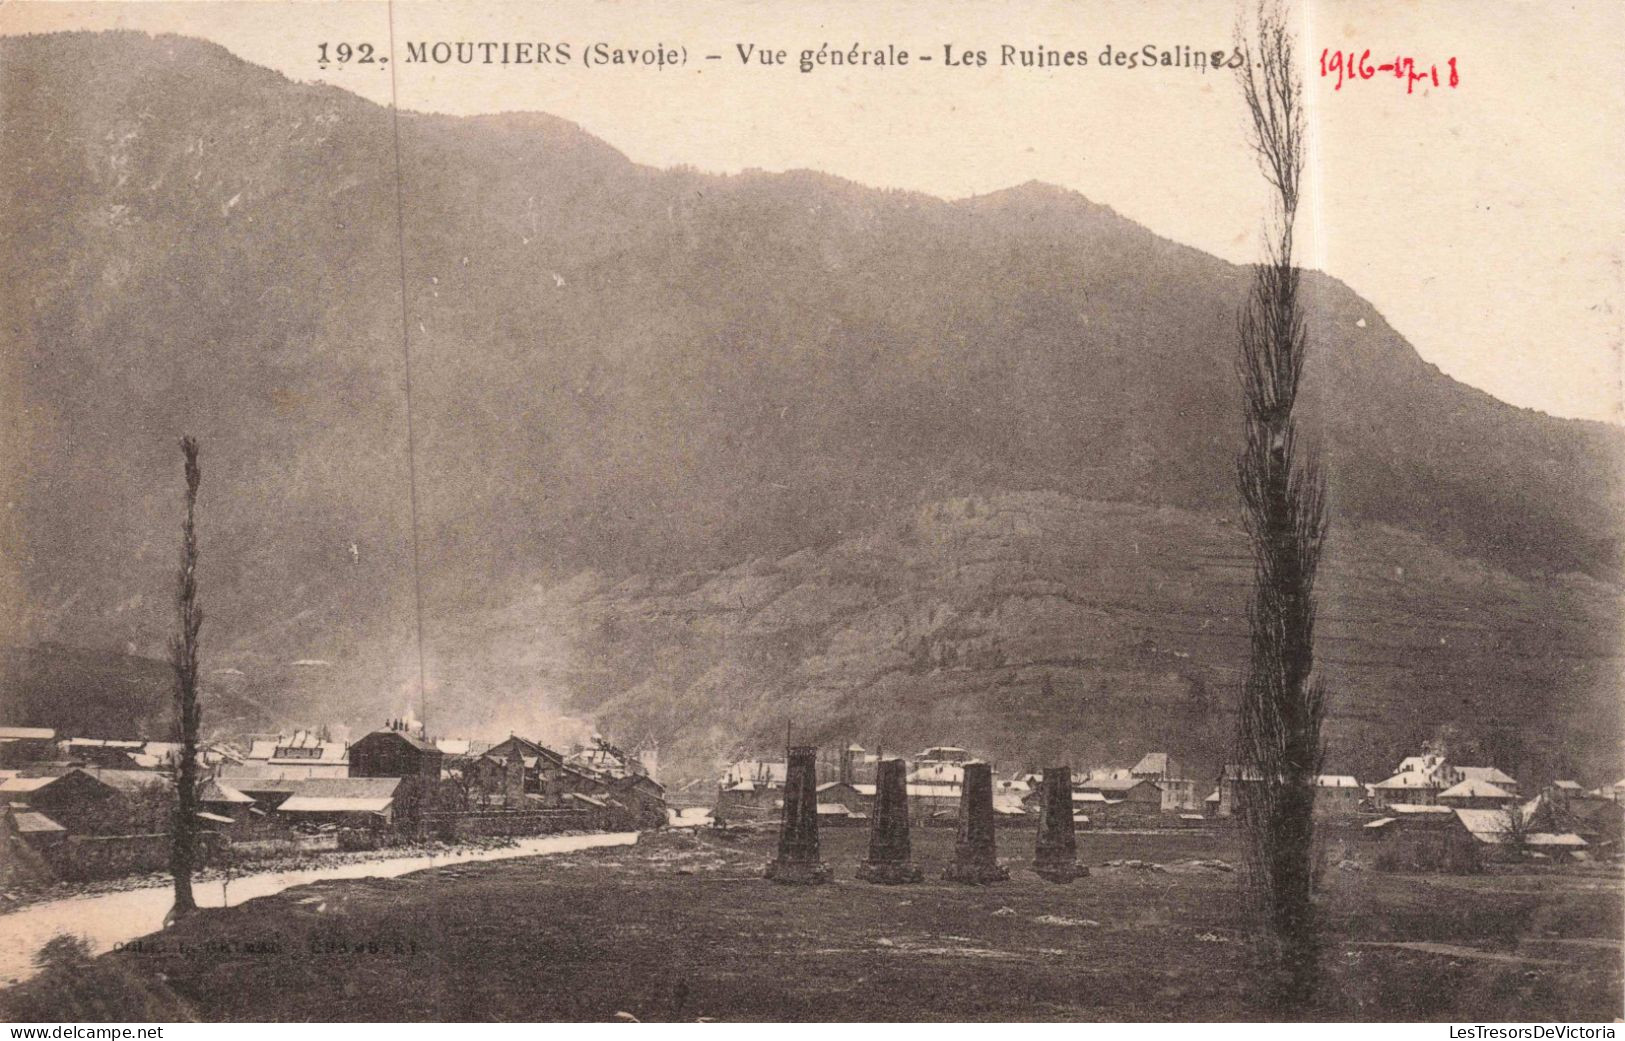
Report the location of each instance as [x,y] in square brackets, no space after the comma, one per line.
[1056,856]
[798,861]
[888,862]
[513,780]
[976,859]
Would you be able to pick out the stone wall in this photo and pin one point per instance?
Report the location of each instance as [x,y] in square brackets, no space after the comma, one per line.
[85,858]
[500,822]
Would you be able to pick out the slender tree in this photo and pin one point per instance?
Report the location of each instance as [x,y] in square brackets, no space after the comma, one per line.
[1283,493]
[183,649]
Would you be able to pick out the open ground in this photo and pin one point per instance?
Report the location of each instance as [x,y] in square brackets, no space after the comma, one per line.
[682,927]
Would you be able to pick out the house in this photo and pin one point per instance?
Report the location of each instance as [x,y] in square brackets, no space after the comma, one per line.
[544,769]
[1485,774]
[1082,802]
[1408,787]
[1178,790]
[1428,763]
[302,755]
[938,773]
[1525,829]
[395,753]
[1337,796]
[461,747]
[602,757]
[355,801]
[1475,794]
[1420,778]
[942,754]
[746,800]
[1601,822]
[1429,839]
[859,799]
[756,771]
[35,828]
[166,755]
[76,799]
[642,796]
[1556,845]
[223,800]
[108,753]
[1566,790]
[750,789]
[22,746]
[1125,796]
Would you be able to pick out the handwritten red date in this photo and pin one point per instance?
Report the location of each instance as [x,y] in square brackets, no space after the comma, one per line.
[1349,67]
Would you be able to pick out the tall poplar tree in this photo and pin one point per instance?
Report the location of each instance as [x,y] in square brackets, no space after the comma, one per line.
[183,653]
[1283,494]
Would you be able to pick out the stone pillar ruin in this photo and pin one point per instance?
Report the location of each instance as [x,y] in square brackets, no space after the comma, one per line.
[888,862]
[1056,857]
[513,780]
[976,859]
[798,862]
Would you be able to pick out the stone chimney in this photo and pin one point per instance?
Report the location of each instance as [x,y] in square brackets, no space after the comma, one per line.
[976,860]
[888,862]
[798,862]
[1056,857]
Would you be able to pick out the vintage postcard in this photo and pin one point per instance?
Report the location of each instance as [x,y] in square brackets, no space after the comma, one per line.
[754,510]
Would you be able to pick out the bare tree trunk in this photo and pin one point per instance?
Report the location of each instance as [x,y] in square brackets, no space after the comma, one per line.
[183,649]
[1283,492]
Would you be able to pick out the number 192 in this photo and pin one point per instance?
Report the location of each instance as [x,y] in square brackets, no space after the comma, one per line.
[345,54]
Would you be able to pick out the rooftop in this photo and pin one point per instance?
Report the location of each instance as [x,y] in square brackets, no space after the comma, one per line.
[214,791]
[127,780]
[20,785]
[1112,784]
[31,822]
[1475,789]
[1152,763]
[324,787]
[1485,773]
[335,804]
[27,734]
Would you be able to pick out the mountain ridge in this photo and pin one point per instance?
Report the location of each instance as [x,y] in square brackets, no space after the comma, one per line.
[619,369]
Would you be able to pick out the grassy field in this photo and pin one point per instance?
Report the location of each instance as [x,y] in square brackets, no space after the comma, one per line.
[681,927]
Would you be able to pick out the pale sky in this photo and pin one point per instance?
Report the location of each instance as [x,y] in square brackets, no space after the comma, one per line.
[1484,221]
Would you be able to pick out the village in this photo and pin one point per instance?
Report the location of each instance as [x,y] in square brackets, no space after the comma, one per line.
[1022,878]
[82,810]
[1432,814]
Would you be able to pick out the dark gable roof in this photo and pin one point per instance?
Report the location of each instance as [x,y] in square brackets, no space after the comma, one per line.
[525,745]
[126,780]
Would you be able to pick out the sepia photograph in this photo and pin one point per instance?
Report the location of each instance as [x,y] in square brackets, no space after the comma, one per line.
[810,511]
